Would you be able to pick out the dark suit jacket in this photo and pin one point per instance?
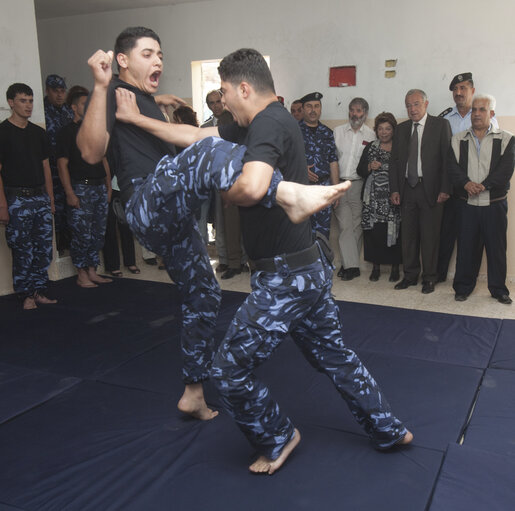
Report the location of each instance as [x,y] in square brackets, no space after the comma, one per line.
[435,145]
[225,118]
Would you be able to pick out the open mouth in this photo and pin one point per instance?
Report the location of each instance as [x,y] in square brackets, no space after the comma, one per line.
[154,78]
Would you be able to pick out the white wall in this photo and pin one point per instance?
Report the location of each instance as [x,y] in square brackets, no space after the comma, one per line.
[19,54]
[432,41]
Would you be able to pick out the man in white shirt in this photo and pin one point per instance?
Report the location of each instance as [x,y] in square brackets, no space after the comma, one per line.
[351,138]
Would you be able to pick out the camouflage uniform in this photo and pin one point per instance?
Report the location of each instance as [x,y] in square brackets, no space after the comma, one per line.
[88,224]
[160,213]
[296,302]
[29,236]
[320,152]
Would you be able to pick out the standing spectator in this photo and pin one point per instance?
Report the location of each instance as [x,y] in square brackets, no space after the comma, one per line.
[26,197]
[57,115]
[481,162]
[88,192]
[420,184]
[381,219]
[296,110]
[351,138]
[320,155]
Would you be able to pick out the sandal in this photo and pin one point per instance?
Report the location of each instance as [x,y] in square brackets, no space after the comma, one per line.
[116,273]
[134,269]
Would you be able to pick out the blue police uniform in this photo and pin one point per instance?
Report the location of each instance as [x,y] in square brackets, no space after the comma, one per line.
[291,294]
[320,152]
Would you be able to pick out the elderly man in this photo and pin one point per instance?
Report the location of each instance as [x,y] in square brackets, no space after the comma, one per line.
[351,138]
[481,162]
[419,183]
[320,155]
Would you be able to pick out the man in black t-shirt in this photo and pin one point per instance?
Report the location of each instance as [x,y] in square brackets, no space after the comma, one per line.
[88,192]
[26,197]
[291,289]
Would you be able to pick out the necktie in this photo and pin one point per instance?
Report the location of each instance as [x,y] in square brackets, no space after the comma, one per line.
[413,158]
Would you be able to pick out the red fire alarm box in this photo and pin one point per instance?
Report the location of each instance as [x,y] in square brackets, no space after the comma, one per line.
[342,76]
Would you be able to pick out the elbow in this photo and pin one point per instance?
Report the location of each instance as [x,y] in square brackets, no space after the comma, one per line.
[89,156]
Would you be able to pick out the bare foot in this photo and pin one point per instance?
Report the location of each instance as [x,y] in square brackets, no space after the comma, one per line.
[93,276]
[263,465]
[301,201]
[39,298]
[193,403]
[83,278]
[29,303]
[406,439]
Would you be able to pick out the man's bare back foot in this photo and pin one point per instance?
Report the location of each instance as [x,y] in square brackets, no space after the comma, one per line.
[83,279]
[29,303]
[39,298]
[301,201]
[193,403]
[263,465]
[94,277]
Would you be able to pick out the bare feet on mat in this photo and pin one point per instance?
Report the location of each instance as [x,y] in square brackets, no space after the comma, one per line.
[39,298]
[263,465]
[193,403]
[97,279]
[301,201]
[83,279]
[29,303]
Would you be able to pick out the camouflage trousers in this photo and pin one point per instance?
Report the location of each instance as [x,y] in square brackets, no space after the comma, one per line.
[88,225]
[161,214]
[321,221]
[296,302]
[29,236]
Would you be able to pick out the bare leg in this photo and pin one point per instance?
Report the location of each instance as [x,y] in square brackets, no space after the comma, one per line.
[193,403]
[301,201]
[83,279]
[94,277]
[39,298]
[263,465]
[29,303]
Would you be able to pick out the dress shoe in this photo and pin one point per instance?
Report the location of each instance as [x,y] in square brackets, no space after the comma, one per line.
[503,299]
[460,297]
[340,272]
[350,273]
[152,261]
[428,287]
[230,273]
[221,268]
[404,284]
[374,276]
[394,275]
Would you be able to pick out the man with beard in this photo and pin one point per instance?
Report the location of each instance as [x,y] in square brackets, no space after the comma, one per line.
[320,155]
[351,138]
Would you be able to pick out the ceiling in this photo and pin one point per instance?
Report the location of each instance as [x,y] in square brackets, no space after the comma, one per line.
[59,8]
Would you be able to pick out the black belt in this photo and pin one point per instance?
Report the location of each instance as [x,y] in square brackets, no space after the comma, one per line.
[294,260]
[24,191]
[89,181]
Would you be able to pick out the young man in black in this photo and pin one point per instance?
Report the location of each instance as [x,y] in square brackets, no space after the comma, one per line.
[26,197]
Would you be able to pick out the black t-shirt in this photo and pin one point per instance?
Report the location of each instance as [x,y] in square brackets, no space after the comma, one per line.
[133,152]
[22,151]
[272,137]
[67,148]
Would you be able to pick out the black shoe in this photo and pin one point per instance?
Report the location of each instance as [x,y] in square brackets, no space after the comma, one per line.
[340,272]
[404,284]
[350,273]
[221,268]
[374,276]
[230,273]
[503,299]
[428,287]
[152,261]
[459,297]
[394,275]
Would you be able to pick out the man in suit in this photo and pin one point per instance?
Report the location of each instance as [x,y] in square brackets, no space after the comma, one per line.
[419,183]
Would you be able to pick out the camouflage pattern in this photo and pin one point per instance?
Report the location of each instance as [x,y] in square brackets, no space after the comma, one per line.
[320,152]
[161,214]
[296,302]
[29,236]
[88,224]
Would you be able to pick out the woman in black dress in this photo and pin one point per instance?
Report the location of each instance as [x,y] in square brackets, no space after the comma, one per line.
[380,219]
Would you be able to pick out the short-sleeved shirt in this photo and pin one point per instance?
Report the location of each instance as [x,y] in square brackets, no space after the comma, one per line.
[133,152]
[67,148]
[273,137]
[320,149]
[22,152]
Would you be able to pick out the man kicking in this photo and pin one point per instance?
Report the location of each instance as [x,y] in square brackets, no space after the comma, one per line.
[133,155]
[291,289]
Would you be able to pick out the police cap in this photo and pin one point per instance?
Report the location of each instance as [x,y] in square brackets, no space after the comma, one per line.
[312,96]
[462,77]
[55,82]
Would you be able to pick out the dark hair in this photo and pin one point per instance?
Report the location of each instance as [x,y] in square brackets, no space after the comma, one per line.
[247,65]
[18,88]
[75,93]
[128,39]
[361,102]
[296,102]
[384,117]
[186,115]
